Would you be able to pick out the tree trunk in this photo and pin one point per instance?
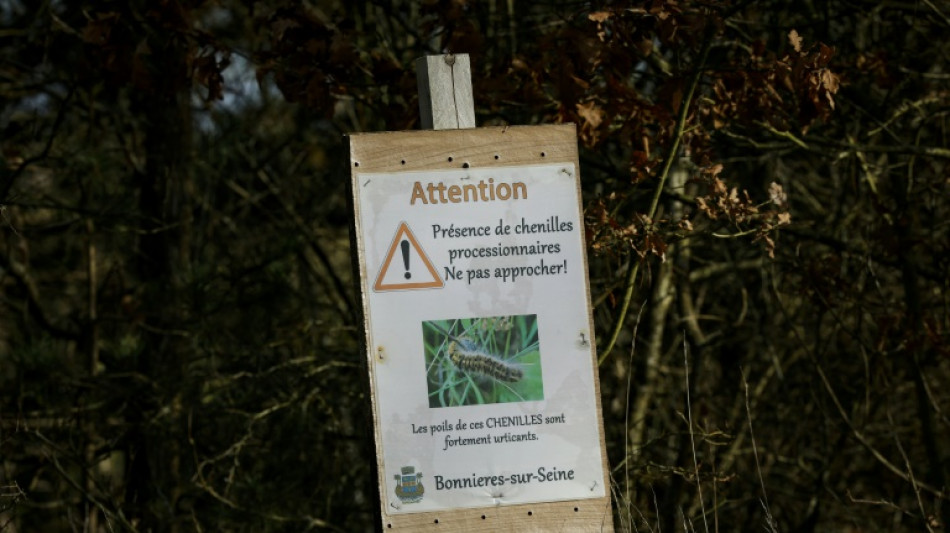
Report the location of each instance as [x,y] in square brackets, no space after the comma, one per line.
[164,263]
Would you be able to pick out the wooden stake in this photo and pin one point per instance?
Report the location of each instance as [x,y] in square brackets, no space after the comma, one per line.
[445,92]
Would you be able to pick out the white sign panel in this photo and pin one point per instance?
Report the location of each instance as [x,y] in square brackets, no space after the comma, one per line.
[478,317]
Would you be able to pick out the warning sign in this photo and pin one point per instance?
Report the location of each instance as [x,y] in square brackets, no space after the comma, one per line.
[485,391]
[412,269]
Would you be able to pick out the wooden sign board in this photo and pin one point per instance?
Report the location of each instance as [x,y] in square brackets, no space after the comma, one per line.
[485,393]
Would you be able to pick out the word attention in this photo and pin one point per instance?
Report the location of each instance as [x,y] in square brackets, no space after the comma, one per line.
[438,193]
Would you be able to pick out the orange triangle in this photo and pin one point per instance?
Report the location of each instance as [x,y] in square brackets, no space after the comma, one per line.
[404,234]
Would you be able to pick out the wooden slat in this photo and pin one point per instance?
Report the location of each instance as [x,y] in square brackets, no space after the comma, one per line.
[445,92]
[581,516]
[483,147]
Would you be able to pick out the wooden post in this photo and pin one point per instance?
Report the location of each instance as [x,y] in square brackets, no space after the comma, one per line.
[445,92]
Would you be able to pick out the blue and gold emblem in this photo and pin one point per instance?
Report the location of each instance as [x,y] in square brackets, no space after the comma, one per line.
[409,487]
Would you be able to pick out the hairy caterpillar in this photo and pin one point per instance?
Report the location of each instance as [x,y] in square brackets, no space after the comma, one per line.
[479,363]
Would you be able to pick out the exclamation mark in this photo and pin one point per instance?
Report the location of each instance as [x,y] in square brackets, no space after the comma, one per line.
[405,256]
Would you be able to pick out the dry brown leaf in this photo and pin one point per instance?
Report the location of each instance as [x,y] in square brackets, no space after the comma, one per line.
[591,114]
[769,246]
[795,40]
[830,81]
[777,194]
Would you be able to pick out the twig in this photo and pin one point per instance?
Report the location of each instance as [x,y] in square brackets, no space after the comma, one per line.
[661,298]
[33,299]
[626,422]
[116,515]
[910,472]
[881,502]
[734,235]
[307,232]
[847,247]
[783,134]
[755,452]
[628,282]
[692,438]
[664,173]
[939,13]
[844,414]
[904,108]
[12,176]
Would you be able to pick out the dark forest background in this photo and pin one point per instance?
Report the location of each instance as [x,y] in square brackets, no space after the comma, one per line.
[766,194]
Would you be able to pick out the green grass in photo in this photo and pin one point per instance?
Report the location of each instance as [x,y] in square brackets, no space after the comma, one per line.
[486,360]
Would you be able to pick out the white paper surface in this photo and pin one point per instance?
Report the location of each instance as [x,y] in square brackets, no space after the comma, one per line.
[478,318]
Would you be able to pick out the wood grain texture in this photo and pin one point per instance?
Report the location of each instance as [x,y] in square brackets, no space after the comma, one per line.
[387,152]
[580,516]
[445,92]
[503,146]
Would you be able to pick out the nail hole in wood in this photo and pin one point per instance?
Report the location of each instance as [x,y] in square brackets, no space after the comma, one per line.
[530,513]
[497,157]
[543,154]
[575,509]
[356,163]
[403,161]
[389,526]
[450,159]
[464,165]
[483,517]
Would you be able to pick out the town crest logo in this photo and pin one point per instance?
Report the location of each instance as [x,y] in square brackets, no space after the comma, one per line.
[409,487]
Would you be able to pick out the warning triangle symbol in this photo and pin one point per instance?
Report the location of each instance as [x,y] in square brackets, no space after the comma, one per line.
[406,265]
